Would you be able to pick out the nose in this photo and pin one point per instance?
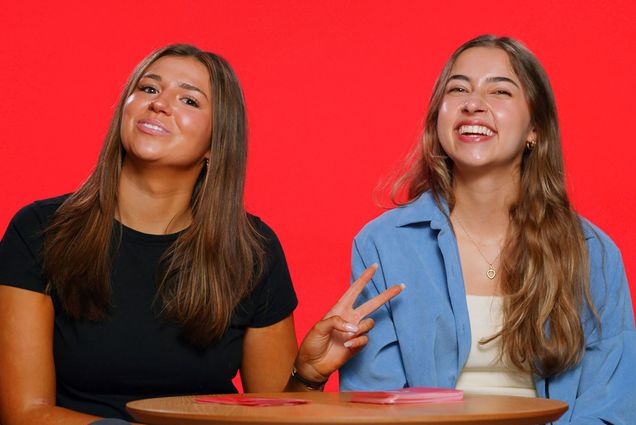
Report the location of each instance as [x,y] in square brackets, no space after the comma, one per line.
[474,103]
[161,105]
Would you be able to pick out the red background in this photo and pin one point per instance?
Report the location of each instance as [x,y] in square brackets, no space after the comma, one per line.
[336,93]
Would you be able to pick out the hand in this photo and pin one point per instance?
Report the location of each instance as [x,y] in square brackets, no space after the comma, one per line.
[342,332]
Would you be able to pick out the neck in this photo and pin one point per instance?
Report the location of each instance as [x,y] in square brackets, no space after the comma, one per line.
[154,201]
[482,202]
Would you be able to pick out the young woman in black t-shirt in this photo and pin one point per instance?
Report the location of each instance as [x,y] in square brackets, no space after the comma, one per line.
[151,279]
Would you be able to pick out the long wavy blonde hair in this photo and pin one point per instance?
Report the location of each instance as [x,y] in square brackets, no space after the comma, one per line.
[545,276]
[213,264]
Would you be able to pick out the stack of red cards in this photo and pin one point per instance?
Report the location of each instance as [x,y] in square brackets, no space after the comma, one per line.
[250,401]
[408,396]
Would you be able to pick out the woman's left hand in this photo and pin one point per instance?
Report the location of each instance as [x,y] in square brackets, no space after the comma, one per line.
[342,332]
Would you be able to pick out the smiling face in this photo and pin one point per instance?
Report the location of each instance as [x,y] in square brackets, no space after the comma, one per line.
[167,119]
[484,119]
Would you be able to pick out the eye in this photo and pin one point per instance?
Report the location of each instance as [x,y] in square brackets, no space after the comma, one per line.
[456,89]
[503,92]
[148,89]
[190,102]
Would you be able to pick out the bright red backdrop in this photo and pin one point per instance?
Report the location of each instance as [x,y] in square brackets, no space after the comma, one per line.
[336,92]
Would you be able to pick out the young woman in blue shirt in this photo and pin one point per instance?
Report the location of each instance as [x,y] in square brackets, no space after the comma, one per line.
[510,290]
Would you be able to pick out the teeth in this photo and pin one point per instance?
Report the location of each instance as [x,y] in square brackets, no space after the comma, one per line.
[475,129]
[152,127]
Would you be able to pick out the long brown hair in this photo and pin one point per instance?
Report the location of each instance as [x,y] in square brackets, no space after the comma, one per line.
[211,266]
[544,278]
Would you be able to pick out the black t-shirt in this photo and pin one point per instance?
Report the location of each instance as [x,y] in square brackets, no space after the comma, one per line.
[134,353]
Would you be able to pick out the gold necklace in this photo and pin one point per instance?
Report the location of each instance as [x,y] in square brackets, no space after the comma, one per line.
[491,273]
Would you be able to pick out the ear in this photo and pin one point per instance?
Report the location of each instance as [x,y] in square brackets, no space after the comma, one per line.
[532,135]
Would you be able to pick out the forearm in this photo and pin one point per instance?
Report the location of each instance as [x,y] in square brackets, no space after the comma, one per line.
[47,415]
[50,415]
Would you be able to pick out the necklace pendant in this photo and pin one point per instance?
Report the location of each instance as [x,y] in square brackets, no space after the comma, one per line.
[491,273]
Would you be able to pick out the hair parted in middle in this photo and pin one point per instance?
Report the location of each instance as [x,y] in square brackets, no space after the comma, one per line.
[213,264]
[545,279]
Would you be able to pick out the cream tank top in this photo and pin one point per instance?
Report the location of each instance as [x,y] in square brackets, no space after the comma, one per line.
[483,373]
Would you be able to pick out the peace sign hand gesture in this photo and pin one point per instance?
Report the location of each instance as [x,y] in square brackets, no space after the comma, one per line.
[342,332]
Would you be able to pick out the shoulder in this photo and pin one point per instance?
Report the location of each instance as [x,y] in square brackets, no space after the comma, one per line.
[608,285]
[261,227]
[383,225]
[38,214]
[20,247]
[423,211]
[602,250]
[608,282]
[269,242]
[265,233]
[273,297]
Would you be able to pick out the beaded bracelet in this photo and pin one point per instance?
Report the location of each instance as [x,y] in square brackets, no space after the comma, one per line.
[311,385]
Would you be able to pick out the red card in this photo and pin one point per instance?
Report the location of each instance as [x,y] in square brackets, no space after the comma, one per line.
[408,396]
[250,401]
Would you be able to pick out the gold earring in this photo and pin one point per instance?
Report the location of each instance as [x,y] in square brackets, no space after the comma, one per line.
[530,144]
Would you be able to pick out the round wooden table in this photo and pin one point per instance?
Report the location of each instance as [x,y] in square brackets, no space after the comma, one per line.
[335,408]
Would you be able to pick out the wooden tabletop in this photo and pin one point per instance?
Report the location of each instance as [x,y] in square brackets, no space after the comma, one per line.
[335,408]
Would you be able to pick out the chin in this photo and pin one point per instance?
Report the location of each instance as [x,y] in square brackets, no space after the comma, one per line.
[139,156]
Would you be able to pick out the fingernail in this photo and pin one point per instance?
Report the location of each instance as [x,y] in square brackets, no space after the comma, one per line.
[350,327]
[348,344]
[375,265]
[402,285]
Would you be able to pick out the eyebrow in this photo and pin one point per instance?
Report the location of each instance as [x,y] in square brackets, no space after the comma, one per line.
[182,85]
[489,79]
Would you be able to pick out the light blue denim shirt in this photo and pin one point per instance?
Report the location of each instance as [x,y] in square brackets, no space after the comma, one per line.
[422,337]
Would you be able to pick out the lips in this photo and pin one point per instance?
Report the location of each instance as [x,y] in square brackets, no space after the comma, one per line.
[153,127]
[473,131]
